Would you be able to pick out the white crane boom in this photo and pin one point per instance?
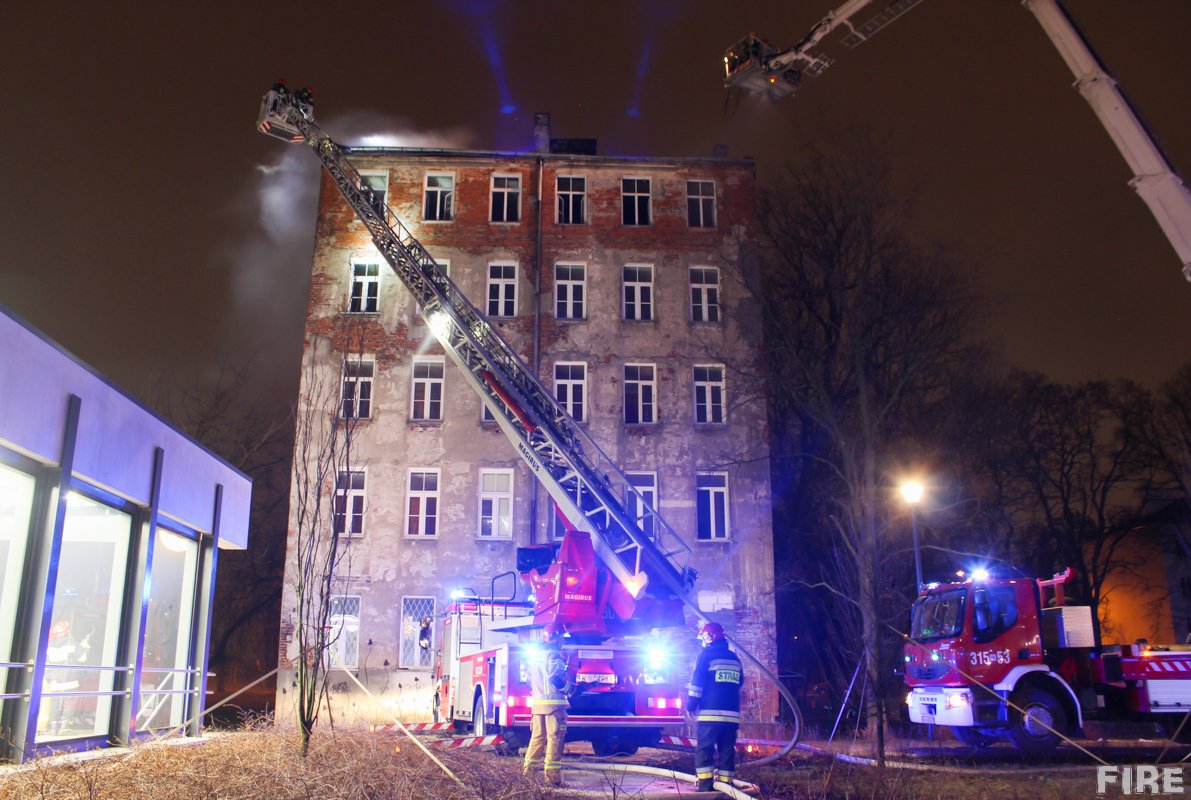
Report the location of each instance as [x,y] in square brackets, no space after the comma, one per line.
[758,66]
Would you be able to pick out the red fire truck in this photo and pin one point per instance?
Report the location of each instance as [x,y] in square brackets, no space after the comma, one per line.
[627,690]
[979,646]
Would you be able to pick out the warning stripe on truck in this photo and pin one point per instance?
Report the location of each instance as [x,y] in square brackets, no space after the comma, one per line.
[469,741]
[746,745]
[416,727]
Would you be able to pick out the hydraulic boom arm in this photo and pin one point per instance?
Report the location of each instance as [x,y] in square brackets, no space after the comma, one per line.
[579,477]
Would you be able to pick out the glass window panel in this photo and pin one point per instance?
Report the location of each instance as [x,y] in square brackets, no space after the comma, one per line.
[86,621]
[167,632]
[16,506]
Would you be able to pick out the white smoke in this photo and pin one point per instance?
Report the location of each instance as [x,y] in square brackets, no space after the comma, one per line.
[272,261]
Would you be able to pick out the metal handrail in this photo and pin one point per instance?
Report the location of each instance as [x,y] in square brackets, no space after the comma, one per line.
[166,691]
[21,696]
[85,666]
[14,665]
[125,692]
[189,671]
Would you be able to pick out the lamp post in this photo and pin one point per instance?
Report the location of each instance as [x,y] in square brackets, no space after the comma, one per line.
[913,493]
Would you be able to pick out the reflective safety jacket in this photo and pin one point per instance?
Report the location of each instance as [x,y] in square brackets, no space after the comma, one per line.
[548,680]
[714,694]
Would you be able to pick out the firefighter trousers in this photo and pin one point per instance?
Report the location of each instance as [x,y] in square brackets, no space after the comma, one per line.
[715,736]
[548,732]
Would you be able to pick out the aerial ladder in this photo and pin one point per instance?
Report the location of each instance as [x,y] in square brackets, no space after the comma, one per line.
[649,560]
[757,66]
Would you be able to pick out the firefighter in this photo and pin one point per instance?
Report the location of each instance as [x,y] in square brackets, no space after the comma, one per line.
[714,701]
[548,725]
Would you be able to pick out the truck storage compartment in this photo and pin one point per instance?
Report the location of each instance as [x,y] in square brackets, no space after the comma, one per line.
[1067,626]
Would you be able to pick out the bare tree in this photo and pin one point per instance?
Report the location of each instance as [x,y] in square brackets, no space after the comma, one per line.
[319,562]
[1081,452]
[863,330]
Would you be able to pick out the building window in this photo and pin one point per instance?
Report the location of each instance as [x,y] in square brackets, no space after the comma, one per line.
[427,390]
[344,650]
[506,198]
[700,204]
[711,505]
[496,503]
[357,389]
[635,200]
[638,292]
[421,503]
[439,202]
[570,282]
[349,504]
[378,182]
[570,388]
[640,385]
[709,395]
[572,193]
[417,632]
[502,290]
[646,483]
[365,288]
[705,294]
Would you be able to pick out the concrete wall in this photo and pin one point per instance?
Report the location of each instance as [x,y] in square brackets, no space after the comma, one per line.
[737,574]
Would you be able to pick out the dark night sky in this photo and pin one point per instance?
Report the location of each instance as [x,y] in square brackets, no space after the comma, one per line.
[129,209]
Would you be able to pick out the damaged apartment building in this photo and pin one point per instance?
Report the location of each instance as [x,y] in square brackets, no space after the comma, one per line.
[617,279]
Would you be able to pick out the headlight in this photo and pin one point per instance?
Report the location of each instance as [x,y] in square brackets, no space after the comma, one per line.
[656,658]
[910,699]
[959,699]
[656,663]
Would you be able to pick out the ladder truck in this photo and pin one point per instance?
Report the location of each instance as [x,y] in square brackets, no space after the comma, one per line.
[996,658]
[621,570]
[757,66]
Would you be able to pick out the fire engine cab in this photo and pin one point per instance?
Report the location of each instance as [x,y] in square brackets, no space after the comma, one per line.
[1010,658]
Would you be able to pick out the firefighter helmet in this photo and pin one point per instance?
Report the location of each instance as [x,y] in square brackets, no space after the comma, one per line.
[552,630]
[60,629]
[710,632]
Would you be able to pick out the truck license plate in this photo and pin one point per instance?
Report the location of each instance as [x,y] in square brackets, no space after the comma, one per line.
[928,718]
[597,677]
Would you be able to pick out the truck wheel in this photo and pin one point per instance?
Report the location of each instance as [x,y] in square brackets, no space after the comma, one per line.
[973,736]
[1026,730]
[479,721]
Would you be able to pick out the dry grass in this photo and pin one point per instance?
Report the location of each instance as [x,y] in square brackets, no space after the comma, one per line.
[261,763]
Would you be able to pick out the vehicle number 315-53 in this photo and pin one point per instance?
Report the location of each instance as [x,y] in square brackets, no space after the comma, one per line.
[987,657]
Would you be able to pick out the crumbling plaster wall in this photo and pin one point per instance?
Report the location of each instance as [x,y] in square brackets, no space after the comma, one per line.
[386,564]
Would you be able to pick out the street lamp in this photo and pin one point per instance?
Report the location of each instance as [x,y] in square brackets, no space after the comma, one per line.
[913,493]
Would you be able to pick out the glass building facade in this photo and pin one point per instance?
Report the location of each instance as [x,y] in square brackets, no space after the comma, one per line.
[111,521]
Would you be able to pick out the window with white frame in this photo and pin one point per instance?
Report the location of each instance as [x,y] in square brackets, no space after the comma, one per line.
[349,503]
[711,505]
[365,293]
[417,632]
[640,387]
[646,484]
[378,182]
[421,503]
[438,203]
[709,395]
[705,294]
[572,194]
[570,285]
[700,204]
[570,388]
[506,198]
[638,291]
[635,201]
[357,388]
[344,636]
[426,401]
[502,290]
[496,503]
[445,265]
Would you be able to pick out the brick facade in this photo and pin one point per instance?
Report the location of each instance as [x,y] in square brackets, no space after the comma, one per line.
[388,566]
